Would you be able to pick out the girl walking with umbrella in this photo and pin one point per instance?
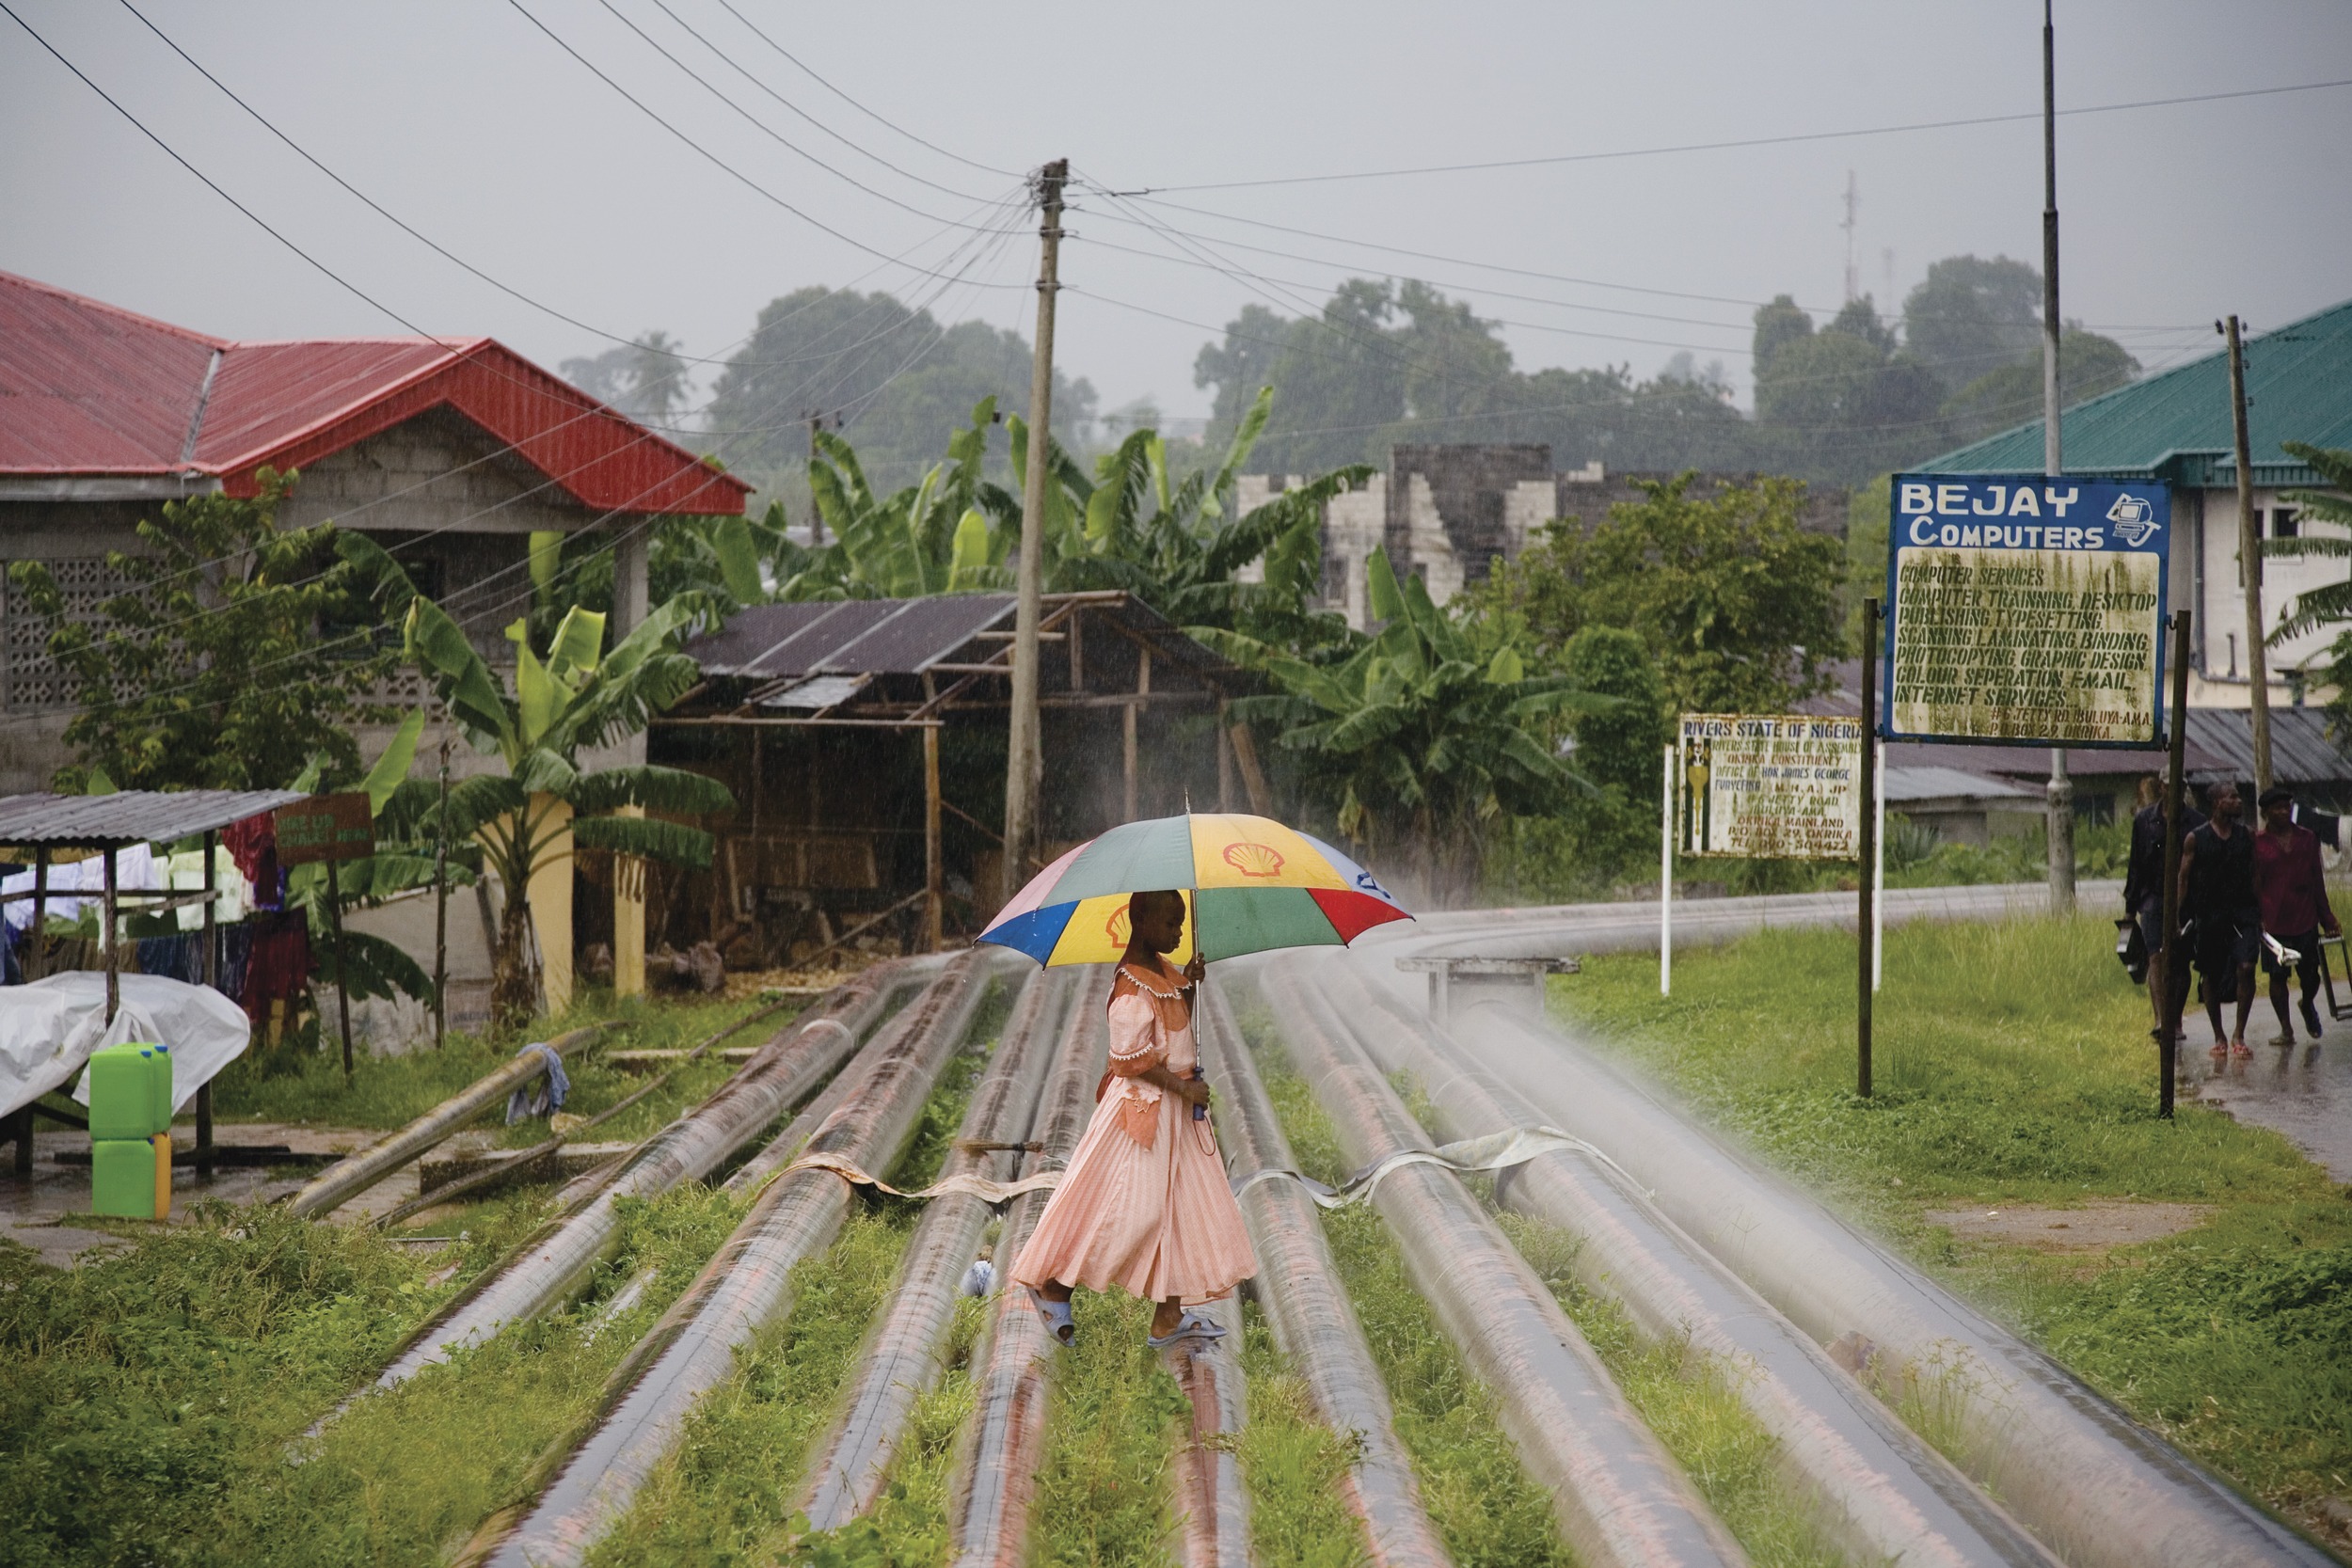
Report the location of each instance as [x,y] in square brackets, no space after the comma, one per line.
[1144,1204]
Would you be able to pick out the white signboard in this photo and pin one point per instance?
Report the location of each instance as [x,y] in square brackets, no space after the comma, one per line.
[1771,786]
[2026,610]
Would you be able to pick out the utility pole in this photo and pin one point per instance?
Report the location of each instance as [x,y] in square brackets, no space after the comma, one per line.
[816,421]
[2250,560]
[1853,272]
[1024,760]
[2062,795]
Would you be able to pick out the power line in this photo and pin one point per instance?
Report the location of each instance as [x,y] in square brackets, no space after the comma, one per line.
[1743,142]
[717,162]
[762,126]
[985,169]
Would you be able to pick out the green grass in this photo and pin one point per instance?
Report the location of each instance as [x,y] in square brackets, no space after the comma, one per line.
[2013,1063]
[152,1401]
[1487,1510]
[1118,1419]
[1292,1463]
[1692,1406]
[287,1084]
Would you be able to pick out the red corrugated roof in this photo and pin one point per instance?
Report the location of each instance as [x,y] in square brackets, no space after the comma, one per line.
[88,388]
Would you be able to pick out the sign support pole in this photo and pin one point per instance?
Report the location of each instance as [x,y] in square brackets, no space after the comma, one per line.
[1866,926]
[1878,865]
[1666,879]
[2173,994]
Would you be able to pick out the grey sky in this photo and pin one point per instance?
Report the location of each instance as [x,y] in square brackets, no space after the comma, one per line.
[472,125]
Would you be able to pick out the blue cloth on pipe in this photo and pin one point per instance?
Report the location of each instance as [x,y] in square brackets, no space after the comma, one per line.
[544,1095]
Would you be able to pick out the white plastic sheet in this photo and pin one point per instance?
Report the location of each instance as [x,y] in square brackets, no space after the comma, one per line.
[49,1028]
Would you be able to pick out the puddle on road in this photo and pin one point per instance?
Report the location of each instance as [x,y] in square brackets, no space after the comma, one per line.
[2303,1090]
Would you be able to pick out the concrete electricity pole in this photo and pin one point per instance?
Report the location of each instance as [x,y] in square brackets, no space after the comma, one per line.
[2061,800]
[1025,761]
[2249,558]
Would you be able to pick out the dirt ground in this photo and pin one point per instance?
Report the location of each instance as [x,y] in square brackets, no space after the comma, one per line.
[2092,1226]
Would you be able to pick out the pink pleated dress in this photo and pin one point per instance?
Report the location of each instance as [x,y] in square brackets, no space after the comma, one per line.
[1145,1205]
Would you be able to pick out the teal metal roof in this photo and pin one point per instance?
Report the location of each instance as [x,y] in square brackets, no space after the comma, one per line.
[2174,427]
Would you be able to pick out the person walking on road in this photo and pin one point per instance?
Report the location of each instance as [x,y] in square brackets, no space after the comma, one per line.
[2295,908]
[2220,903]
[2143,896]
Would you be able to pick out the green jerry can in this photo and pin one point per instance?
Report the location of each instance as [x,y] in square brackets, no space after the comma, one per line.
[163,1175]
[122,1094]
[122,1177]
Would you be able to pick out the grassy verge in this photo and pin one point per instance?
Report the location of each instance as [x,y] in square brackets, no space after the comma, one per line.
[1292,1463]
[2013,1065]
[1485,1509]
[152,1399]
[287,1085]
[1110,1445]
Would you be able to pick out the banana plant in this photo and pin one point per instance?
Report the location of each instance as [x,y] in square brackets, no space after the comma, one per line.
[2330,605]
[932,537]
[578,696]
[1421,733]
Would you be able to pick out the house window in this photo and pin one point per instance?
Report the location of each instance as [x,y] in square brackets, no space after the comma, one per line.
[2283,523]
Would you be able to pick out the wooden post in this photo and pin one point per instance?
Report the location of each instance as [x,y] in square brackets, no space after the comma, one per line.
[2173,994]
[934,862]
[1666,876]
[441,909]
[106,938]
[1253,778]
[212,979]
[37,950]
[343,981]
[1025,753]
[2250,555]
[1224,754]
[1127,725]
[1865,925]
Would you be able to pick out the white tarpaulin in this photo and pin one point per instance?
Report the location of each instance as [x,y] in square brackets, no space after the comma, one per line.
[49,1028]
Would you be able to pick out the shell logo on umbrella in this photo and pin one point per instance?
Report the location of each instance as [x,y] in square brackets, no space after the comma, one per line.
[1253,860]
[1252,884]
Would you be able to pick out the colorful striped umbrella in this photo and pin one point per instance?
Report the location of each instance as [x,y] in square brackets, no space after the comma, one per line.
[1248,884]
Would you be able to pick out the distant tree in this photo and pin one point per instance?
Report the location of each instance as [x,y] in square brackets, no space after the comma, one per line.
[1734,600]
[2089,364]
[1778,325]
[1971,316]
[895,377]
[1842,403]
[648,380]
[239,652]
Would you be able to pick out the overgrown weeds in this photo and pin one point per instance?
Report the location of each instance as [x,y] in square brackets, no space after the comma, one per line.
[1485,1509]
[1118,1419]
[1293,1466]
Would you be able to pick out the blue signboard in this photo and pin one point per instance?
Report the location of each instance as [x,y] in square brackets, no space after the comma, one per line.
[2025,612]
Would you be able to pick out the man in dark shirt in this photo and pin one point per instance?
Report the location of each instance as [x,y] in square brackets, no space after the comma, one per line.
[2143,892]
[2217,896]
[2295,908]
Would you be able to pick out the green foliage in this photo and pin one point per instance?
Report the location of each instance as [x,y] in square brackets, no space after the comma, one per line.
[1867,515]
[1294,1465]
[1691,1402]
[211,672]
[1486,1509]
[1420,733]
[1843,403]
[1735,601]
[2089,365]
[1117,1423]
[1591,840]
[1969,317]
[931,537]
[2330,605]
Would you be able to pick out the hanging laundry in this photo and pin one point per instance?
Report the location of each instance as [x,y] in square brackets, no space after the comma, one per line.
[184,871]
[82,884]
[236,954]
[175,957]
[278,967]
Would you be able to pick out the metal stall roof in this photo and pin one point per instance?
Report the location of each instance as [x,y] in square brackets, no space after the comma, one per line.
[129,816]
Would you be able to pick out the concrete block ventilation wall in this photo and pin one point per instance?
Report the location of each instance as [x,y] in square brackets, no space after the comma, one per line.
[1444,513]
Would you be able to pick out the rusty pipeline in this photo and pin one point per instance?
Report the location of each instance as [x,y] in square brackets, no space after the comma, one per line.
[1306,1305]
[2100,1490]
[1620,1500]
[355,1173]
[1004,1442]
[548,1269]
[589,1479]
[1878,1489]
[902,1355]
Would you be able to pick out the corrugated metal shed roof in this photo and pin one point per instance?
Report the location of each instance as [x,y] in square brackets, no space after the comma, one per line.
[129,815]
[2300,752]
[1937,783]
[875,637]
[90,389]
[2175,426]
